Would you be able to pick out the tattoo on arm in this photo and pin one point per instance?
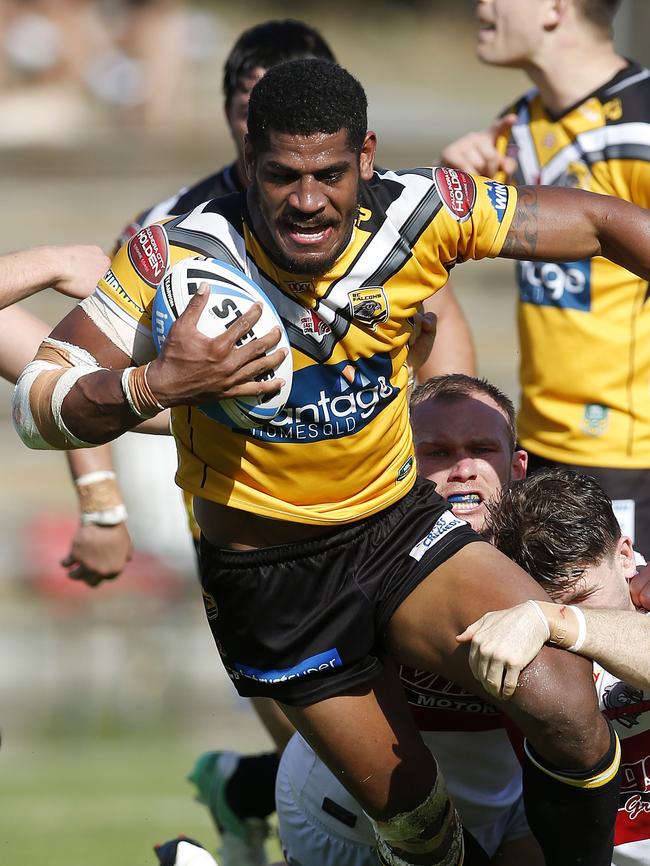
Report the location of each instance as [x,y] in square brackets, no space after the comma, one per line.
[521,240]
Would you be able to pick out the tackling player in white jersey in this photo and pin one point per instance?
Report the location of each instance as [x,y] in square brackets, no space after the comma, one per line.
[561,527]
[464,434]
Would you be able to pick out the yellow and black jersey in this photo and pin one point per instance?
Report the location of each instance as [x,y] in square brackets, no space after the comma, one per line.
[341,449]
[585,326]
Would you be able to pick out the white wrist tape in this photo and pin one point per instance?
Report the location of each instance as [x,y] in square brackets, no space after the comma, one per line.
[108,517]
[94,477]
[126,375]
[100,498]
[540,614]
[582,629]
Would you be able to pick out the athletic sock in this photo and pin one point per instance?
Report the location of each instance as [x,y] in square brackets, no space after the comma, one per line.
[250,791]
[572,814]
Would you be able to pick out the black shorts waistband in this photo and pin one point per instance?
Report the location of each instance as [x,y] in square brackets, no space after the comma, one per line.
[339,536]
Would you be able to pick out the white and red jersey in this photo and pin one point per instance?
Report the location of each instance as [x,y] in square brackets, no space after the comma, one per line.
[468,737]
[628,709]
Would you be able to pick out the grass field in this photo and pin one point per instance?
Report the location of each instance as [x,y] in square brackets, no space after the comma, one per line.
[97,801]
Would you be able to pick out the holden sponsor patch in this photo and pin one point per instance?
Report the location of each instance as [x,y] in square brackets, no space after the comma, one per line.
[457,191]
[369,305]
[446,523]
[149,254]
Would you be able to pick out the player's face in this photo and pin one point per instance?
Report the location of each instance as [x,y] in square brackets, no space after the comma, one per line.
[237,111]
[306,196]
[605,585]
[510,30]
[463,446]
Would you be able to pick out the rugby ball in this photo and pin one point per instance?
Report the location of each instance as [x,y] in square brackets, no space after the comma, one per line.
[232,294]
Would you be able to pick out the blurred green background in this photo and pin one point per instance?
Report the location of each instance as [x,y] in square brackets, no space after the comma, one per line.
[107,696]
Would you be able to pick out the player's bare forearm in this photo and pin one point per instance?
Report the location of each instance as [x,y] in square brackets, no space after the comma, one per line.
[20,336]
[95,410]
[552,224]
[619,640]
[86,460]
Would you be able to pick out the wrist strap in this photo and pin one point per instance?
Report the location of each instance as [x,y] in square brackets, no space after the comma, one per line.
[141,399]
[540,614]
[100,500]
[582,629]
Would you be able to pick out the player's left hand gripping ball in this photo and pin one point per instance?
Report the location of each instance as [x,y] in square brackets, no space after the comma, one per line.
[232,294]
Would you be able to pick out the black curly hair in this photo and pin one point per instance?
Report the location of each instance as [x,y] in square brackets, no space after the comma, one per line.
[304,97]
[267,44]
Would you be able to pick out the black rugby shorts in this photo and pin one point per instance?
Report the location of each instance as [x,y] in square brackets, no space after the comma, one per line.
[303,622]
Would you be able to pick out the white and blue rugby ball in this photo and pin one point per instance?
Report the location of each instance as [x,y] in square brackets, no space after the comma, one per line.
[232,294]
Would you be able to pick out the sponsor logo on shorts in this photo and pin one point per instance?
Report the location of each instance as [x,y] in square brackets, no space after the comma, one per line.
[445,524]
[555,284]
[498,194]
[457,191]
[211,609]
[595,419]
[330,401]
[369,305]
[317,664]
[149,254]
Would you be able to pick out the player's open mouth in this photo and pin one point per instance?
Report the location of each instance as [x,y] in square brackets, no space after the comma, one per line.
[486,27]
[464,501]
[307,235]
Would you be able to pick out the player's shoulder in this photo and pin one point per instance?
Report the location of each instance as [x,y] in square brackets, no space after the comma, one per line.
[626,98]
[394,194]
[221,183]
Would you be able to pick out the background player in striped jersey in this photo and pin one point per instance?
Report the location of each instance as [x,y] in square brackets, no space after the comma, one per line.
[560,526]
[585,325]
[351,504]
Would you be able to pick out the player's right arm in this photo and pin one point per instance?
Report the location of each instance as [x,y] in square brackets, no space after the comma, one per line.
[92,406]
[504,642]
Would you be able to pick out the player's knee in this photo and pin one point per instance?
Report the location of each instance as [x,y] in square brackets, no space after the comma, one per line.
[431,833]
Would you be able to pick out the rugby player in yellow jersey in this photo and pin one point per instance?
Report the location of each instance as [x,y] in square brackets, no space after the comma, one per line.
[584,326]
[251,779]
[323,556]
